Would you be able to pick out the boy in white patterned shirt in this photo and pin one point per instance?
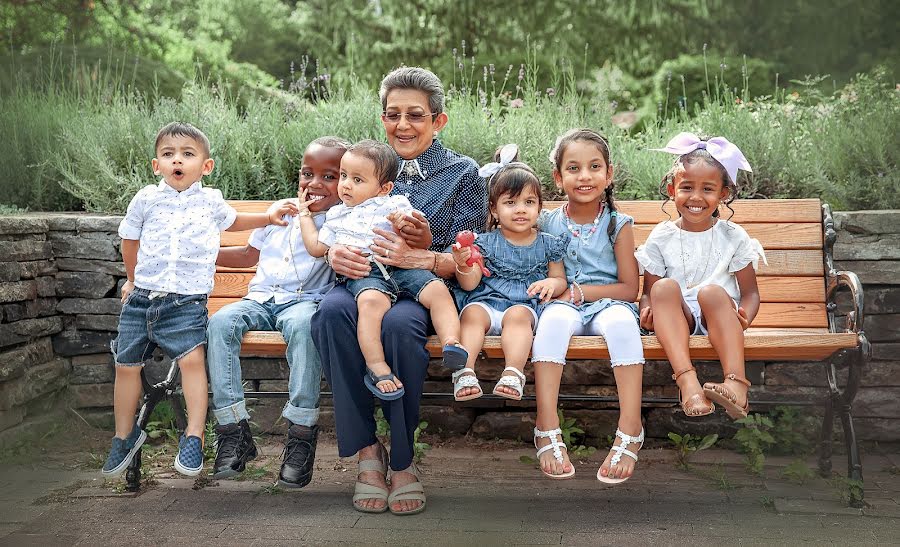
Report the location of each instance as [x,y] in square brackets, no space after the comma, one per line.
[170,239]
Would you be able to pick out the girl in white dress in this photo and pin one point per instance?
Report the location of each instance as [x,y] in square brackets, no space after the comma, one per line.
[699,273]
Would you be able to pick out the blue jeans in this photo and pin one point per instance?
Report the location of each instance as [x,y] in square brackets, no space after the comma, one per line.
[226,330]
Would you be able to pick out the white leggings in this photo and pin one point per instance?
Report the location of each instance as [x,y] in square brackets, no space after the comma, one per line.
[616,323]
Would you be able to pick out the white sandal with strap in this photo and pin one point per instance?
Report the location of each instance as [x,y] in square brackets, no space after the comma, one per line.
[619,451]
[517,382]
[555,447]
[464,378]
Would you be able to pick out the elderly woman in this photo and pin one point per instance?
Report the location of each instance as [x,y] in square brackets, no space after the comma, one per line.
[446,187]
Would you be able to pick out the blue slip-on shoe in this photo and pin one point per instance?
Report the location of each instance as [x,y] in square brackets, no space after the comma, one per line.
[189,460]
[455,357]
[123,451]
[370,379]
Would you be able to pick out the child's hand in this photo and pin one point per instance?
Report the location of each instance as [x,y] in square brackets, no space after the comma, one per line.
[303,203]
[413,227]
[647,318]
[543,289]
[126,290]
[279,209]
[461,255]
[742,317]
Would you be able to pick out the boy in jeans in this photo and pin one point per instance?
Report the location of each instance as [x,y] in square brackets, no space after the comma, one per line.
[170,239]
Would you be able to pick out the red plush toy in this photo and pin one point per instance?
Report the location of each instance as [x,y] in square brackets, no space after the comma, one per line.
[467,239]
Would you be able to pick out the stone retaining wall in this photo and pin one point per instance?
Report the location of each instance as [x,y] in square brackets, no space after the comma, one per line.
[60,276]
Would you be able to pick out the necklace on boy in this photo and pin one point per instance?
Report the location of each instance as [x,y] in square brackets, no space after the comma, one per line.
[574,231]
[694,280]
[296,226]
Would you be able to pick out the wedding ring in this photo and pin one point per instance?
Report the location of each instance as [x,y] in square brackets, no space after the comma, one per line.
[387,253]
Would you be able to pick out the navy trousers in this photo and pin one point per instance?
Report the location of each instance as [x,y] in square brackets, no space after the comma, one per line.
[403,333]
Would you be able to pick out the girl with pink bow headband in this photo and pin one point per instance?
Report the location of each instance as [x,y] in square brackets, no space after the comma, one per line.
[700,274]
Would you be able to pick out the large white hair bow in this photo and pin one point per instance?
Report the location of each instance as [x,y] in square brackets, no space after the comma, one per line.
[507,154]
[720,148]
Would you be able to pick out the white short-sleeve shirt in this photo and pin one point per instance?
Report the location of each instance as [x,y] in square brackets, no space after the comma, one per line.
[697,259]
[353,226]
[286,271]
[179,234]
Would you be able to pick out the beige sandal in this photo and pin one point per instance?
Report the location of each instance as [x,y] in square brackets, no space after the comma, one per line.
[696,405]
[412,491]
[364,491]
[720,393]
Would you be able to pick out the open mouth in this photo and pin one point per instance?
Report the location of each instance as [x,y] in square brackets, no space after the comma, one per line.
[584,188]
[695,208]
[178,172]
[314,197]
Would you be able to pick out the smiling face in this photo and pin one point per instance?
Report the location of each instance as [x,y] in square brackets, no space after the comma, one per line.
[583,172]
[359,180]
[181,161]
[410,138]
[519,214]
[319,173]
[697,189]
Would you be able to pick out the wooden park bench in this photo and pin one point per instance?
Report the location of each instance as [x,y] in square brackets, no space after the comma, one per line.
[796,321]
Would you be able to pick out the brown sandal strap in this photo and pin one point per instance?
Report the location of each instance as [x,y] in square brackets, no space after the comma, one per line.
[734,378]
[676,376]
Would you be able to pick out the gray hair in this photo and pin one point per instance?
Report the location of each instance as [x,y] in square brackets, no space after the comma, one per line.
[413,77]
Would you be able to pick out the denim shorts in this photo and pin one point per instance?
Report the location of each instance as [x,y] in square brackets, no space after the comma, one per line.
[174,322]
[402,281]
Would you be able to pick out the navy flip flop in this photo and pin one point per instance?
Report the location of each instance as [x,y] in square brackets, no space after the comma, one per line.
[455,357]
[370,379]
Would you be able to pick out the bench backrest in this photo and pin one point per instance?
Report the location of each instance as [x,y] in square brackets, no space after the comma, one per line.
[791,286]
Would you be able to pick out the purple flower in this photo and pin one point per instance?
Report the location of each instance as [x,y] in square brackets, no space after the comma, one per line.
[516,103]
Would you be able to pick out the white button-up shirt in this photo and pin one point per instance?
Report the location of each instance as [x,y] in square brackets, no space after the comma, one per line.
[354,226]
[286,271]
[179,234]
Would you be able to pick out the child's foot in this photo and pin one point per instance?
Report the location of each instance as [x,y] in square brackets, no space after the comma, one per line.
[382,370]
[511,384]
[619,463]
[189,460]
[554,461]
[731,394]
[454,354]
[465,385]
[123,450]
[691,396]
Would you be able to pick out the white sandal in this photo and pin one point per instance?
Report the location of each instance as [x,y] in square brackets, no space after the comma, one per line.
[517,382]
[462,379]
[619,450]
[555,447]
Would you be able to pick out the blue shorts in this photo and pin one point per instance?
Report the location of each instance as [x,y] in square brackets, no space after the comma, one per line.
[174,322]
[402,281]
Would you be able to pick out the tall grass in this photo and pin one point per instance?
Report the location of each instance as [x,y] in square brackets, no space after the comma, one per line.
[95,140]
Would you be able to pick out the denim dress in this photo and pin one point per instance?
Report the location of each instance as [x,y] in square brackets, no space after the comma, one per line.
[590,258]
[513,269]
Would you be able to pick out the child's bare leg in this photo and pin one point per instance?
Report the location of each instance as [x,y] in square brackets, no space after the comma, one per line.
[436,297]
[629,380]
[673,322]
[515,339]
[725,334]
[125,398]
[372,305]
[193,384]
[547,378]
[474,324]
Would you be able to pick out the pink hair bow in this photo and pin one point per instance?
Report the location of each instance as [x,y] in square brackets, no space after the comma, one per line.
[720,148]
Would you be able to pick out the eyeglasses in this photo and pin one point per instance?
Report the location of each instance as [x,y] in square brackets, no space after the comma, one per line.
[411,117]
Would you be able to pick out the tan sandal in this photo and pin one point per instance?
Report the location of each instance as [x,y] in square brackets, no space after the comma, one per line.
[365,491]
[720,393]
[410,492]
[696,405]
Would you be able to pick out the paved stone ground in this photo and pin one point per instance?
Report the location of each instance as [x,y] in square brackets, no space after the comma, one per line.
[478,492]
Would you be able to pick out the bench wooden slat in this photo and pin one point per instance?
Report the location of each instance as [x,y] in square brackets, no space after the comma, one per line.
[782,344]
[771,289]
[648,212]
[770,314]
[771,235]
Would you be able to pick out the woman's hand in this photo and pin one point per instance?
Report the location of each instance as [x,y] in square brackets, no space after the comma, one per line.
[349,262]
[647,318]
[414,228]
[393,250]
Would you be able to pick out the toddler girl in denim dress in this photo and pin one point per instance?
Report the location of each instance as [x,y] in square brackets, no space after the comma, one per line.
[526,271]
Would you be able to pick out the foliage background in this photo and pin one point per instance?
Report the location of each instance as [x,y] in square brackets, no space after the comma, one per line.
[807,88]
